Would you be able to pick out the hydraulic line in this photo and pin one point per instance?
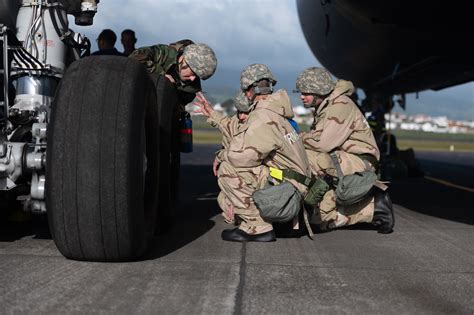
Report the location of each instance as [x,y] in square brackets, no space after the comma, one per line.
[5,71]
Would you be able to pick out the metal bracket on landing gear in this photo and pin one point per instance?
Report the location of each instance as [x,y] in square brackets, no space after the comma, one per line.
[6,183]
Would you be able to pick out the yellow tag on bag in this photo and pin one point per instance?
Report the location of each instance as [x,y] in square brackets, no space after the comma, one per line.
[276,173]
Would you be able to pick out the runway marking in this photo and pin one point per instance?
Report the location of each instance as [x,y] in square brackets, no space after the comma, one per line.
[444,182]
[206,198]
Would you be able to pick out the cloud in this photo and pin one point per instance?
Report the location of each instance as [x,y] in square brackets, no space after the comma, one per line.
[241,32]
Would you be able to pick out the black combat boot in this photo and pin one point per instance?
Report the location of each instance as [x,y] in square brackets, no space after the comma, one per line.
[237,235]
[383,219]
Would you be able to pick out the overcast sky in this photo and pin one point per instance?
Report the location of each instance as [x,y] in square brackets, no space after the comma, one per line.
[241,32]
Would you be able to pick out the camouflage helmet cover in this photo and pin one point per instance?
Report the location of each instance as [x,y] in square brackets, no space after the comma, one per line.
[254,73]
[241,102]
[201,59]
[315,81]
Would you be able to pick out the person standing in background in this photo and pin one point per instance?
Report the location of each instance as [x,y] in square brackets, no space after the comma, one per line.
[106,42]
[128,41]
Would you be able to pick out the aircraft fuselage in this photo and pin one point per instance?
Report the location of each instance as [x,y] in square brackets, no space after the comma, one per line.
[393,46]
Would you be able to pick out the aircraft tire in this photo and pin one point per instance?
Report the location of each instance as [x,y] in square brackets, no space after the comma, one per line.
[102,160]
[169,153]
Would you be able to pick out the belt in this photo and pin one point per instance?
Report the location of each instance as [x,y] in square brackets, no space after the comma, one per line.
[290,174]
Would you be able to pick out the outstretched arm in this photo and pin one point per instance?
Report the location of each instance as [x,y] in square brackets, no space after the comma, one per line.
[205,107]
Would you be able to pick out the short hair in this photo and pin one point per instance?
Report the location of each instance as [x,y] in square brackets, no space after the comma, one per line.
[129,32]
[263,83]
[262,87]
[108,36]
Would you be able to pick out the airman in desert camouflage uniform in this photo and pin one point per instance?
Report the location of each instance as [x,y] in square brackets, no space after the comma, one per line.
[340,127]
[176,70]
[229,127]
[183,63]
[266,140]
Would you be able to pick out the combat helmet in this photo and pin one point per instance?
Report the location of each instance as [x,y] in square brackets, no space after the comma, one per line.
[315,81]
[241,102]
[201,59]
[254,73]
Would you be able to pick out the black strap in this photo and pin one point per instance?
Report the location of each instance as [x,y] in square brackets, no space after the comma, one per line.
[300,178]
[306,222]
[335,161]
[307,181]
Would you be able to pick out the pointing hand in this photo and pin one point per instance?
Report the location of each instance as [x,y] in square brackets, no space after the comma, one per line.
[204,106]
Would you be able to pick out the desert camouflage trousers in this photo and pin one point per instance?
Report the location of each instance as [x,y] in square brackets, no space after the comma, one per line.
[237,186]
[331,215]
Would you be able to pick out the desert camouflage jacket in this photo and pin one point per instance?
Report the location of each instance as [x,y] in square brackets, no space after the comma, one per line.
[228,126]
[339,124]
[268,138]
[162,59]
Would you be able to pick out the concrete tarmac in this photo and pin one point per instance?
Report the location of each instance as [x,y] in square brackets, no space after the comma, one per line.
[425,266]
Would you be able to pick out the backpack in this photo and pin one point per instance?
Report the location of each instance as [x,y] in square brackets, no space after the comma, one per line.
[352,188]
[282,202]
[278,203]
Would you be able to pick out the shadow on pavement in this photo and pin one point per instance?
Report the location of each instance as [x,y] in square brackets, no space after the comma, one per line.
[434,199]
[35,227]
[196,206]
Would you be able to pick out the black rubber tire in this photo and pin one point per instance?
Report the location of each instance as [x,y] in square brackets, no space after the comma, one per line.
[100,204]
[168,113]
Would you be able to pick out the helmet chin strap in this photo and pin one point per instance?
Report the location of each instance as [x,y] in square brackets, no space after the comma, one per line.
[178,68]
[252,100]
[180,63]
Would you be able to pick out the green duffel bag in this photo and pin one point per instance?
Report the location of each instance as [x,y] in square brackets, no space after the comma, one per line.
[354,187]
[280,203]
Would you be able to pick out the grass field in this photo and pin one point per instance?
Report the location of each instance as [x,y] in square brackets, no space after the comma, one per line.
[423,145]
[207,136]
[428,141]
[422,141]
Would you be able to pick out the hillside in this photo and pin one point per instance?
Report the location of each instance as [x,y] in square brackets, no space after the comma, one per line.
[439,104]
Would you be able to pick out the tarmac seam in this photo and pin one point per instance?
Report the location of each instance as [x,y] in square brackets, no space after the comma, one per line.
[243,268]
[241,285]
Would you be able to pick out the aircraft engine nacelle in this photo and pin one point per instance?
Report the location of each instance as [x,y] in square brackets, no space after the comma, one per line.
[390,47]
